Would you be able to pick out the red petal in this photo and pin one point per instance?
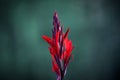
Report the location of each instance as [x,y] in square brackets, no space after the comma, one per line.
[52,51]
[68,44]
[57,36]
[48,39]
[66,34]
[68,50]
[57,43]
[55,68]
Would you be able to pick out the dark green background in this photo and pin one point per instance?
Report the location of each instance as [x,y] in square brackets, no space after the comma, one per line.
[94,31]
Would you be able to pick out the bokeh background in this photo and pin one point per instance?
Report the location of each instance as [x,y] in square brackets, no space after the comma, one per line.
[94,31]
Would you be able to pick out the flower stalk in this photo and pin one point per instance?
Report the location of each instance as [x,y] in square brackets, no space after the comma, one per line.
[60,48]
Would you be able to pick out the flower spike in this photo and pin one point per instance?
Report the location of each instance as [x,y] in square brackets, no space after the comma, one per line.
[60,48]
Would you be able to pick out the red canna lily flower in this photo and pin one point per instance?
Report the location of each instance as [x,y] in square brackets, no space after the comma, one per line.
[60,48]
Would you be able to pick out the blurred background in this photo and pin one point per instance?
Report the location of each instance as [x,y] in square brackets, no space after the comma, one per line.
[94,31]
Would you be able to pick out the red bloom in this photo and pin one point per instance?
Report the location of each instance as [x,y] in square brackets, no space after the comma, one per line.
[60,48]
